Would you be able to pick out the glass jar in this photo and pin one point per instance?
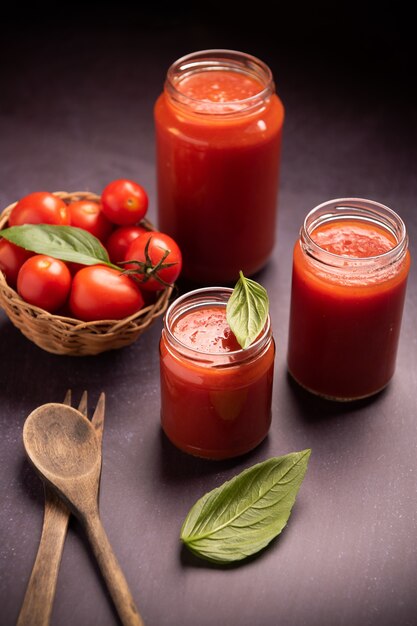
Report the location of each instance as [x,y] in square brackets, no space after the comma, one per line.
[349,280]
[213,404]
[218,138]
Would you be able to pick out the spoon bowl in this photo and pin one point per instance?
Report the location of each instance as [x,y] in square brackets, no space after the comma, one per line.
[60,442]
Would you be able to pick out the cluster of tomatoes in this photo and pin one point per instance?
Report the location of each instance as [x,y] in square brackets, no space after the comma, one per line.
[93,292]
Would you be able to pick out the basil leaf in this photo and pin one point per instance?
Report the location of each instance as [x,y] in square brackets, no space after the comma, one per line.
[67,243]
[247,310]
[243,515]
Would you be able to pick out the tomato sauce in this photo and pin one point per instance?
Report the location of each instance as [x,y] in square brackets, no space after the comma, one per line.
[218,149]
[216,397]
[344,324]
[350,239]
[206,330]
[222,86]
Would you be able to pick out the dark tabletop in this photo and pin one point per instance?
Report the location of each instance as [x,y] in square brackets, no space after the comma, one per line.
[76,97]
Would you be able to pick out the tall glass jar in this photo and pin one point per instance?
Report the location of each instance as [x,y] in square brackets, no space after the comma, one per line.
[215,396]
[218,137]
[350,271]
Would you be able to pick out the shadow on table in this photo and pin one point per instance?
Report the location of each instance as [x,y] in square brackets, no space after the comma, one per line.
[188,559]
[34,376]
[177,466]
[314,409]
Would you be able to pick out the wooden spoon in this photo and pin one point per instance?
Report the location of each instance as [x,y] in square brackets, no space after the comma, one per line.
[37,605]
[38,601]
[63,447]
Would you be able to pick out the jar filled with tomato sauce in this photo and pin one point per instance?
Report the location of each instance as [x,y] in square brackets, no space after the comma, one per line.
[218,138]
[349,280]
[215,396]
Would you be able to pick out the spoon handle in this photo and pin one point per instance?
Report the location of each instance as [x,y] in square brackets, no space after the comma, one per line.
[37,604]
[112,573]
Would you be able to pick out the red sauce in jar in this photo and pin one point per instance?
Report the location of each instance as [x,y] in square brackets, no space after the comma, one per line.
[218,148]
[345,321]
[206,330]
[215,397]
[221,86]
[353,239]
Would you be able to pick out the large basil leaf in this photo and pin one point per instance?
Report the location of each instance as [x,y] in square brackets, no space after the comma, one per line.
[67,243]
[243,515]
[247,310]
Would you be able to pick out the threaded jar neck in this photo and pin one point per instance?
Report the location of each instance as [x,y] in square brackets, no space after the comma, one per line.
[360,211]
[206,298]
[219,61]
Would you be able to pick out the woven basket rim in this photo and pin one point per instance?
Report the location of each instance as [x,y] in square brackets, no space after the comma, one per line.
[75,323]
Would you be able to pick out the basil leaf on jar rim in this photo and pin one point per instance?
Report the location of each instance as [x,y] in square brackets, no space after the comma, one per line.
[247,310]
[67,243]
[243,515]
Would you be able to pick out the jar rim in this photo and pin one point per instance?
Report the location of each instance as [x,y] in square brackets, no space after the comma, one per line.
[199,298]
[361,210]
[218,59]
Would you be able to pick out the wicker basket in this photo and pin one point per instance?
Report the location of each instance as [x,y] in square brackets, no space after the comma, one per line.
[65,335]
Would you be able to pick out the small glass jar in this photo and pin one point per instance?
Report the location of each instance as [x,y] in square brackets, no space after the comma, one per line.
[214,405]
[218,138]
[347,300]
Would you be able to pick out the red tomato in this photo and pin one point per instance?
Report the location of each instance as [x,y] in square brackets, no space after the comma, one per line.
[12,258]
[40,207]
[103,293]
[124,202]
[120,240]
[158,260]
[88,215]
[44,282]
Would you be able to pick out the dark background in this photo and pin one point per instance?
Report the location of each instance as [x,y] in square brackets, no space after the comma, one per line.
[77,87]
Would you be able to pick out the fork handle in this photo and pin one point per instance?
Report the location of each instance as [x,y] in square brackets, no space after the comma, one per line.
[112,573]
[39,597]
